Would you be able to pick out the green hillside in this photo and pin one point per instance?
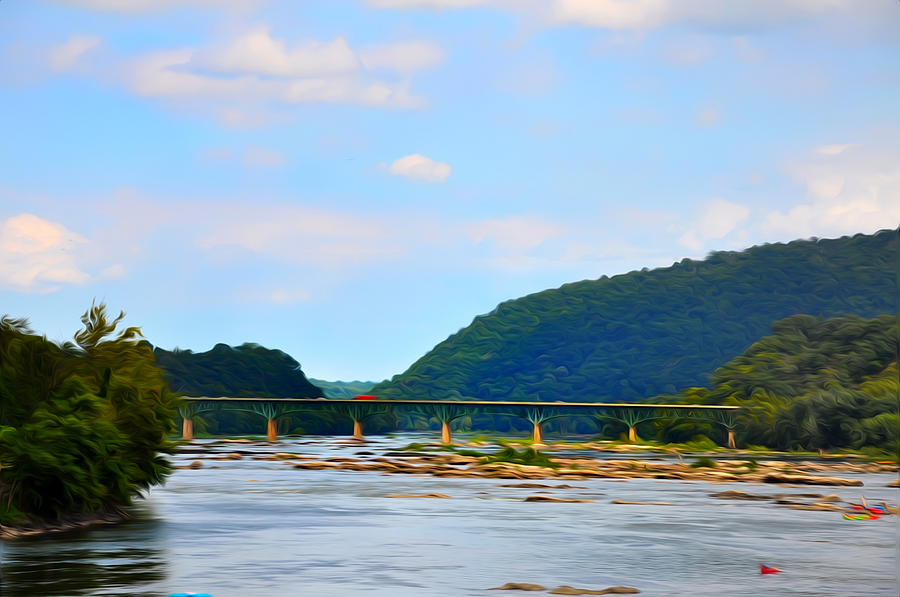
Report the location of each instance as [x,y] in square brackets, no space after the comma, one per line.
[812,384]
[646,333]
[242,371]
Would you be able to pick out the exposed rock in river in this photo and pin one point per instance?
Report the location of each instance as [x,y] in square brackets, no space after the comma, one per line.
[518,586]
[810,480]
[732,494]
[641,503]
[567,590]
[418,495]
[550,498]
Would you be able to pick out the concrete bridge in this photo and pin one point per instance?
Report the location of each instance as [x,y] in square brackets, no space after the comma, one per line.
[447,411]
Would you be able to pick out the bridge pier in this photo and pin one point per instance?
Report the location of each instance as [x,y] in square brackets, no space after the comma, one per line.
[632,434]
[187,429]
[271,430]
[731,443]
[537,437]
[358,430]
[445,433]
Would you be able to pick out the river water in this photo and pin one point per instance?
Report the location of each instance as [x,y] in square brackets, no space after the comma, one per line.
[261,528]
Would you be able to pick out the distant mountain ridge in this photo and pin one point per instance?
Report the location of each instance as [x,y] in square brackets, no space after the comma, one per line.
[645,333]
[343,389]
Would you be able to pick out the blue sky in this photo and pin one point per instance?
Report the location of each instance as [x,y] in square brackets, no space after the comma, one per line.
[353,181]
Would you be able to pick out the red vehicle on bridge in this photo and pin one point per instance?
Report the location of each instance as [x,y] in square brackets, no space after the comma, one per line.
[365,397]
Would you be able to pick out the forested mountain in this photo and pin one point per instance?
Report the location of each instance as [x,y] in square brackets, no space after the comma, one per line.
[811,384]
[646,333]
[343,389]
[241,371]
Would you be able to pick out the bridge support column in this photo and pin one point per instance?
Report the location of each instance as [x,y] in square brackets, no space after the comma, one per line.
[358,430]
[445,433]
[271,431]
[632,434]
[537,438]
[731,443]
[187,428]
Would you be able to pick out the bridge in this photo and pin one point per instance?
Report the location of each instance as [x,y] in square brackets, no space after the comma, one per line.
[447,411]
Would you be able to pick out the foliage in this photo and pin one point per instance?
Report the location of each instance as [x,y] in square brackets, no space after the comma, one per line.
[244,371]
[528,456]
[83,425]
[703,462]
[648,333]
[813,384]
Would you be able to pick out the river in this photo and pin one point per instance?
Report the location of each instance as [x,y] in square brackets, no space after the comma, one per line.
[261,528]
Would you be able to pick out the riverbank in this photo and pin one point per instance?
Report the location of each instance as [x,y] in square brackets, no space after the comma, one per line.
[74,522]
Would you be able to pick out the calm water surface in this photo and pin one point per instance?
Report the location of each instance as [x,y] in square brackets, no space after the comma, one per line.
[263,528]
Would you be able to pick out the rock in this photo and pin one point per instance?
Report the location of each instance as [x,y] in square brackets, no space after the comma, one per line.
[816,506]
[518,586]
[740,495]
[894,483]
[567,590]
[641,503]
[196,464]
[550,498]
[810,480]
[831,497]
[540,486]
[235,456]
[316,464]
[418,495]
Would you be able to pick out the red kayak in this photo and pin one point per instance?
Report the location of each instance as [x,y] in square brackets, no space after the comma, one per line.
[763,569]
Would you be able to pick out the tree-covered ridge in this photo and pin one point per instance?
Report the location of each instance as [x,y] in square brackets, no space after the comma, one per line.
[651,332]
[817,384]
[248,370]
[806,354]
[83,425]
[343,389]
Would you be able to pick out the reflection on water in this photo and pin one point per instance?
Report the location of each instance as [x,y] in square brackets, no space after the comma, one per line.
[115,560]
[238,528]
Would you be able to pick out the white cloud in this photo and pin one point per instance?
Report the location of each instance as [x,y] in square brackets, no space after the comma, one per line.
[257,53]
[37,255]
[708,116]
[610,14]
[287,297]
[116,271]
[404,57]
[260,157]
[434,4]
[734,15]
[518,233]
[243,80]
[66,56]
[833,149]
[313,236]
[850,189]
[419,167]
[717,219]
[144,6]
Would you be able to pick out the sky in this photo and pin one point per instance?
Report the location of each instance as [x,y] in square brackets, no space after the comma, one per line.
[353,181]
